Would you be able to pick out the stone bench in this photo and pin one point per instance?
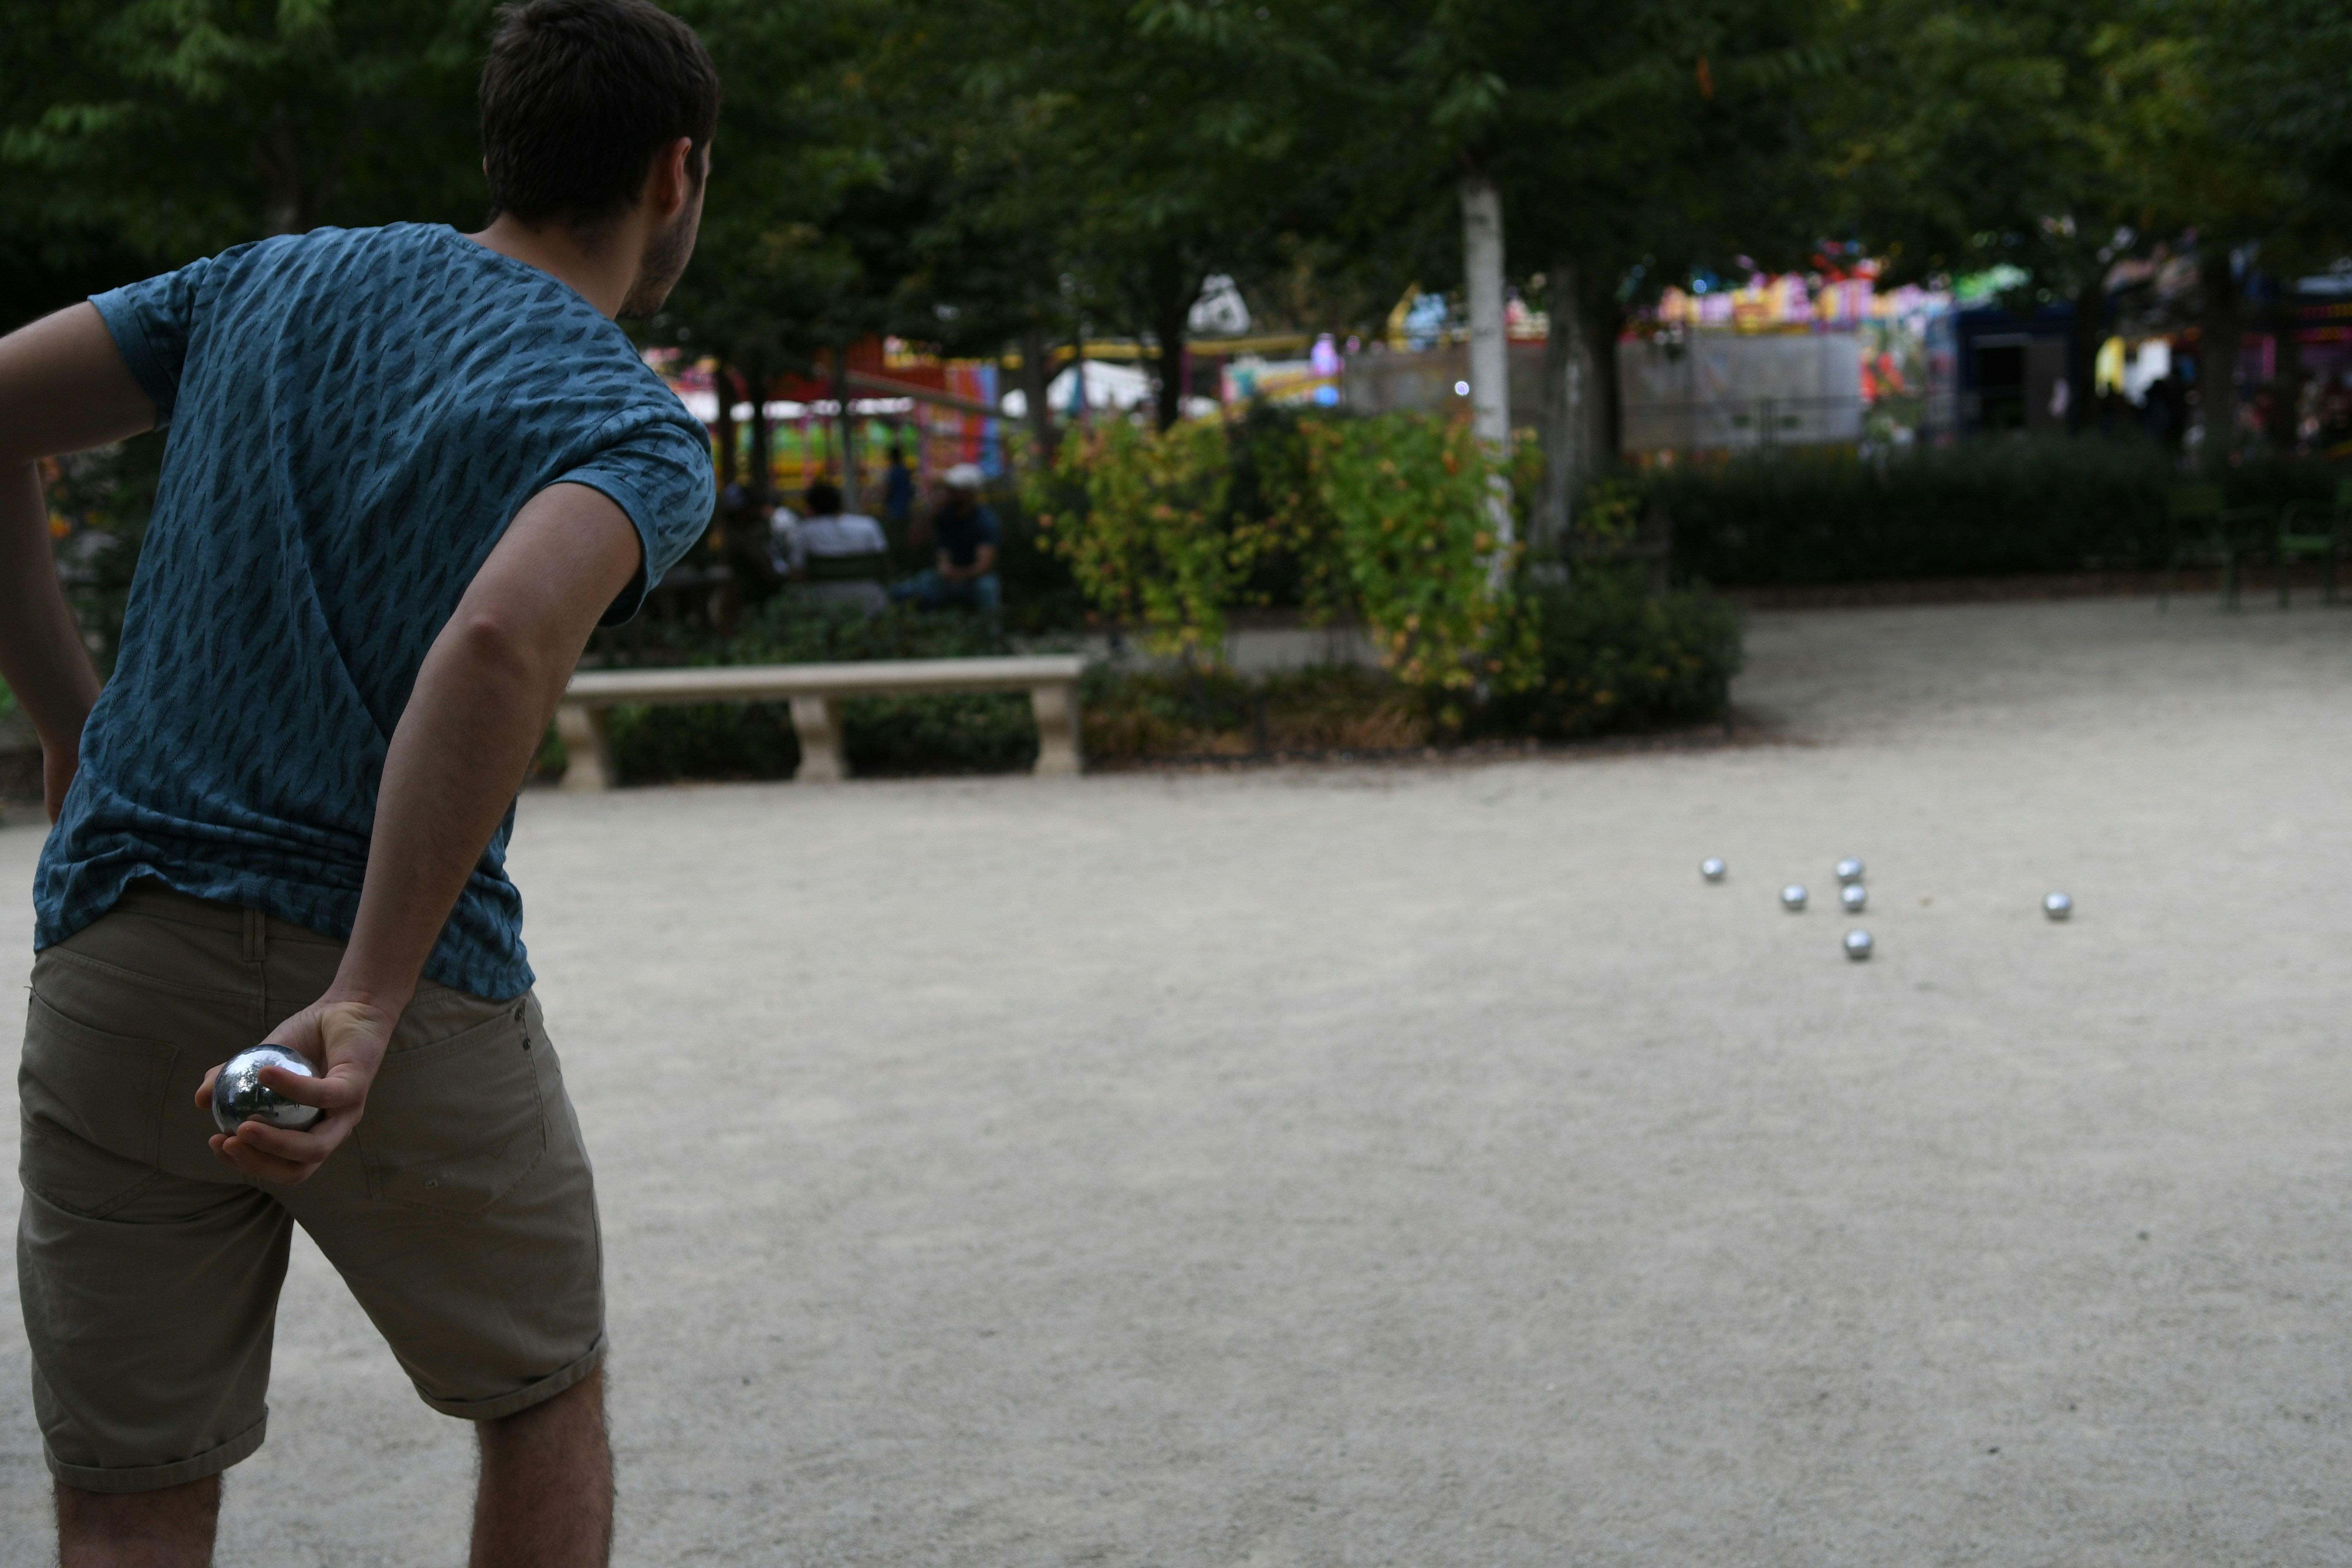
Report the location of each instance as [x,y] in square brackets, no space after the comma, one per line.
[815,692]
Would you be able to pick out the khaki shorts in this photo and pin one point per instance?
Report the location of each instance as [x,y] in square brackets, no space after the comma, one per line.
[461,1212]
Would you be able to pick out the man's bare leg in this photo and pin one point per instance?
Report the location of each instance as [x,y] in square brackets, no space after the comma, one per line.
[171,1528]
[546,1498]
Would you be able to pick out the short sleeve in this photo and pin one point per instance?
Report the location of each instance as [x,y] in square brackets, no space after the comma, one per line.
[151,322]
[657,469]
[991,531]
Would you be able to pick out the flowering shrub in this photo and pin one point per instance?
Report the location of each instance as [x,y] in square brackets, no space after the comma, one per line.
[1389,522]
[1411,500]
[1143,523]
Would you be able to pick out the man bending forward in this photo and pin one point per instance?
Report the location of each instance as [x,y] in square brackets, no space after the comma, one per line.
[408,471]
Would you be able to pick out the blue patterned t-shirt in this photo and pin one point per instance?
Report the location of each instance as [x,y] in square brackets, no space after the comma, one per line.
[354,418]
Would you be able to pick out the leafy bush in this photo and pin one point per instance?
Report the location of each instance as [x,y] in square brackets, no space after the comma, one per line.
[1409,498]
[1613,659]
[1982,509]
[1616,658]
[1384,520]
[1143,520]
[103,497]
[1133,716]
[990,732]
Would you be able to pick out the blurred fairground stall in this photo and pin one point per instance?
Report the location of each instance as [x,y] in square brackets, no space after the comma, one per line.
[1716,366]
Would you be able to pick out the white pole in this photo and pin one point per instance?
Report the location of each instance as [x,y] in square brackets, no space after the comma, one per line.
[1490,364]
[1482,267]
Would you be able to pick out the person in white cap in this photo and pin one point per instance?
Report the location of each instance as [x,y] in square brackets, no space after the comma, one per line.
[964,536]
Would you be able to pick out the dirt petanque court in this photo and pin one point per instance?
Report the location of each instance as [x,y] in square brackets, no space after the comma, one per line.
[1419,1165]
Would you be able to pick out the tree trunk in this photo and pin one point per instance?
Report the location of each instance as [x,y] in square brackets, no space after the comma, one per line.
[1036,370]
[293,193]
[750,555]
[1171,303]
[1562,410]
[277,154]
[722,381]
[1482,271]
[2217,369]
[2084,335]
[851,500]
[1606,419]
[763,477]
[2286,384]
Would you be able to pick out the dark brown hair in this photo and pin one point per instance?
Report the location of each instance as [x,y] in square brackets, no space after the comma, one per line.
[579,95]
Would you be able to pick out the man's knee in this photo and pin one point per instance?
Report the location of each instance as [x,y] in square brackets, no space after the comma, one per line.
[168,1528]
[562,1420]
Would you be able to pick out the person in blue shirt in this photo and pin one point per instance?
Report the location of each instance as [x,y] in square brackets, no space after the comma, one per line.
[407,472]
[964,535]
[897,489]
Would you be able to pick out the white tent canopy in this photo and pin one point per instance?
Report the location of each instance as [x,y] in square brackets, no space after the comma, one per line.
[1115,387]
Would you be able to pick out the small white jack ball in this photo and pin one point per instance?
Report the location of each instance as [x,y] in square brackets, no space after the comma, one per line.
[1854,896]
[1792,896]
[1711,869]
[2057,906]
[1857,945]
[1849,869]
[240,1095]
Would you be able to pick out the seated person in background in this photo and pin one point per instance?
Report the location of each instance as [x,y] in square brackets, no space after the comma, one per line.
[897,489]
[832,554]
[964,533]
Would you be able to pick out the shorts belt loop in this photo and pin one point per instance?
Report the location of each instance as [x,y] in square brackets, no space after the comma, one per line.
[256,954]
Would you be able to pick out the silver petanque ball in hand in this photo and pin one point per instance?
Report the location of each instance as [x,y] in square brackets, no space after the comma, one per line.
[1849,870]
[1854,896]
[1792,896]
[1857,945]
[1711,869]
[2057,906]
[240,1095]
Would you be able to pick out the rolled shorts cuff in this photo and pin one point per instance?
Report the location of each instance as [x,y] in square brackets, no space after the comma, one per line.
[155,1478]
[522,1398]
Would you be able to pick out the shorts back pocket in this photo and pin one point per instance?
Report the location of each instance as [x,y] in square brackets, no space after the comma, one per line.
[455,1123]
[92,1104]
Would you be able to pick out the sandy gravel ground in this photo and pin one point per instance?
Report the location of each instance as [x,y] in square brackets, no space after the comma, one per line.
[1419,1165]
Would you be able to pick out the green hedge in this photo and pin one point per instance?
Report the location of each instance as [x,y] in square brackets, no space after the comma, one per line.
[985,734]
[1979,510]
[1615,659]
[1611,660]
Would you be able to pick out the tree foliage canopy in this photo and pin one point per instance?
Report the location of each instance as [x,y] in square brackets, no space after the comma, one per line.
[989,172]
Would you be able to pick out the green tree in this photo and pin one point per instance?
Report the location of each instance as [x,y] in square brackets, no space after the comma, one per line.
[144,135]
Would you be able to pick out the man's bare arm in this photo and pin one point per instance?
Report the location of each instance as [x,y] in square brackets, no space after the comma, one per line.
[63,388]
[482,700]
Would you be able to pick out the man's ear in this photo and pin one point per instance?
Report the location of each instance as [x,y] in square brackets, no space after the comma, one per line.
[671,188]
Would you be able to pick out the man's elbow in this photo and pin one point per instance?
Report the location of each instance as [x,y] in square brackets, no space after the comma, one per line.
[492,645]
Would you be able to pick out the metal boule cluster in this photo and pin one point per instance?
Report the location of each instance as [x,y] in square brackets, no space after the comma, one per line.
[1853,898]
